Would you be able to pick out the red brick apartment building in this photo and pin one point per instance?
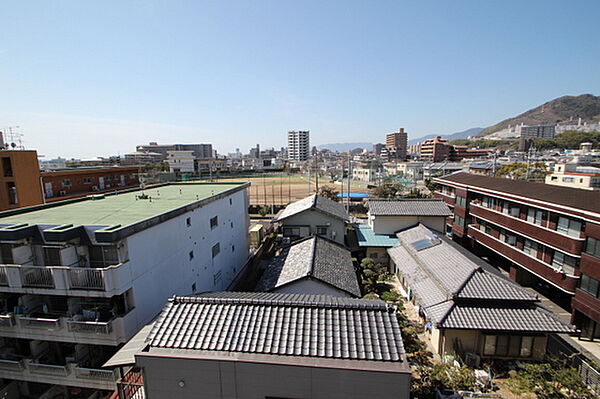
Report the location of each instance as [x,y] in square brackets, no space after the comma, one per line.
[545,234]
[72,183]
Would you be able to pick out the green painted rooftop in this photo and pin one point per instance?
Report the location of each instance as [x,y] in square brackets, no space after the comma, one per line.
[367,238]
[119,209]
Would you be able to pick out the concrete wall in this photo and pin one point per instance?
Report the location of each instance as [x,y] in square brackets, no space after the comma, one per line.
[310,286]
[224,379]
[313,219]
[391,224]
[381,254]
[160,261]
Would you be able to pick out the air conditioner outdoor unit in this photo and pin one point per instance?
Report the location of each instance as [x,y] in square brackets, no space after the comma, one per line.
[94,188]
[62,192]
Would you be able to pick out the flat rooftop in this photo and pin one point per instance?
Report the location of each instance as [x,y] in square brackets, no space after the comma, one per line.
[123,209]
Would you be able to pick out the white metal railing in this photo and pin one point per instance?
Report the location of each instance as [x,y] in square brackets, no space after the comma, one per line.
[94,327]
[11,365]
[48,369]
[87,279]
[7,321]
[3,278]
[94,374]
[37,276]
[39,322]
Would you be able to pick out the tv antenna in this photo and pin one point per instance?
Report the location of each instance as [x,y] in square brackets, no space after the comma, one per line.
[11,138]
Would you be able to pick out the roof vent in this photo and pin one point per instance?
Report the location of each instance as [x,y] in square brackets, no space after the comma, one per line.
[431,240]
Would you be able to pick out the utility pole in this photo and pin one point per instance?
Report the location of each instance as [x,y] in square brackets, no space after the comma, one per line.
[317,173]
[349,174]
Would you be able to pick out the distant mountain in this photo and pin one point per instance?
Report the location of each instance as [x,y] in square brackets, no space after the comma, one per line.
[474,131]
[344,147]
[585,106]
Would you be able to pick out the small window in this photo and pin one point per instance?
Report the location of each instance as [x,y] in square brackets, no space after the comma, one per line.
[590,285]
[230,201]
[194,287]
[322,230]
[66,183]
[233,248]
[216,249]
[231,224]
[214,222]
[191,255]
[564,262]
[87,180]
[216,278]
[188,221]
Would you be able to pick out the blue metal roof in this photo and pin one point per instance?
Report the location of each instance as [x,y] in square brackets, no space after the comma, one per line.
[354,195]
[366,238]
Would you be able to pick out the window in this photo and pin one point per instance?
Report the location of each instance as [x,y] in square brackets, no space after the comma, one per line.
[188,221]
[489,202]
[217,278]
[7,167]
[592,247]
[461,201]
[568,226]
[214,222]
[554,178]
[567,179]
[232,248]
[66,183]
[564,262]
[322,230]
[507,345]
[590,285]
[13,199]
[231,223]
[515,211]
[194,287]
[216,249]
[510,239]
[87,180]
[52,256]
[230,201]
[291,232]
[531,247]
[191,255]
[103,255]
[534,216]
[374,255]
[459,221]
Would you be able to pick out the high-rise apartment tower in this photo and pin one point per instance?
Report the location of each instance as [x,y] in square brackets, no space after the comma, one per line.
[298,145]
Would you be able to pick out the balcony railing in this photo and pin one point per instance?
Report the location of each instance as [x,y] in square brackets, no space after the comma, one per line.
[11,365]
[3,277]
[86,279]
[7,321]
[39,322]
[48,369]
[92,327]
[108,281]
[37,276]
[70,374]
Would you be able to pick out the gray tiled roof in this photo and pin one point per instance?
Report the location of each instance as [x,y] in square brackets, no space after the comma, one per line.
[444,279]
[523,319]
[313,257]
[281,324]
[315,202]
[409,207]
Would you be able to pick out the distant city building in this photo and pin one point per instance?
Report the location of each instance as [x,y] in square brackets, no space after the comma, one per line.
[414,149]
[182,161]
[538,131]
[377,148]
[298,145]
[436,149]
[20,183]
[573,175]
[254,152]
[70,183]
[396,144]
[199,151]
[141,158]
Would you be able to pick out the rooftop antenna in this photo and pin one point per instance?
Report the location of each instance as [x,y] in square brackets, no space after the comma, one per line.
[13,140]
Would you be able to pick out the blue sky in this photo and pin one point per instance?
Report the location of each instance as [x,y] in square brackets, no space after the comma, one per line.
[86,78]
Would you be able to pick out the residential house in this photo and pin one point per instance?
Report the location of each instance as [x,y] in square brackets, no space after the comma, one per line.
[270,345]
[312,265]
[387,216]
[314,215]
[469,308]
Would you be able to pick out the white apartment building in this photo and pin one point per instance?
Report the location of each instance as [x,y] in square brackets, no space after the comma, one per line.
[298,145]
[181,161]
[575,176]
[79,278]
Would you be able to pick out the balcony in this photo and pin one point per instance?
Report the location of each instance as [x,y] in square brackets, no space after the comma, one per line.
[531,264]
[63,280]
[112,332]
[447,198]
[70,374]
[552,238]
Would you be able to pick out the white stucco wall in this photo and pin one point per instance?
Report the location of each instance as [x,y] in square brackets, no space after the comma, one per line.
[391,224]
[159,258]
[312,219]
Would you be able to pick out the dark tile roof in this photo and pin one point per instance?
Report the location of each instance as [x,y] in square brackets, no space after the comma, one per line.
[312,257]
[570,197]
[317,326]
[315,202]
[522,319]
[444,280]
[409,207]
